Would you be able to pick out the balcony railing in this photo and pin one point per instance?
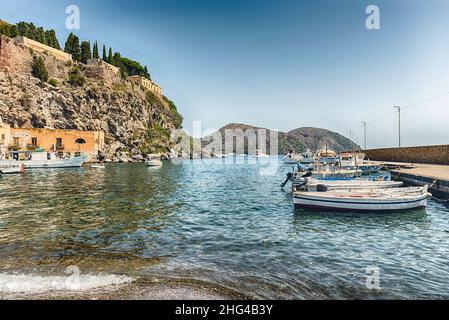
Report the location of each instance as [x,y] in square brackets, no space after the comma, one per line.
[13,147]
[31,146]
[58,146]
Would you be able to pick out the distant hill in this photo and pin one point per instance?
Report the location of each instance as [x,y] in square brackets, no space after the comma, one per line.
[298,140]
[316,139]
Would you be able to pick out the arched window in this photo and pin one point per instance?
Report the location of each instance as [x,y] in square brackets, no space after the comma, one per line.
[80,141]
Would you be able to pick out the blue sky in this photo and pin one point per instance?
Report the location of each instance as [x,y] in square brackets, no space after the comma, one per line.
[280,64]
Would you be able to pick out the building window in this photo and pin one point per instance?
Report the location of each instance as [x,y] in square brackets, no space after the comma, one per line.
[58,141]
[16,141]
[34,142]
[3,137]
[80,141]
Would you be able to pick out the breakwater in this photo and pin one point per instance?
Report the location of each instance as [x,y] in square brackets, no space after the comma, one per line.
[425,154]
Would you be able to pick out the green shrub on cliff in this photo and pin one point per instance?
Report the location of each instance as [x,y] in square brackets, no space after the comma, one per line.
[39,70]
[53,82]
[76,78]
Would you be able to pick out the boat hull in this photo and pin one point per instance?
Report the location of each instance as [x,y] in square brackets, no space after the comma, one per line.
[353,185]
[358,204]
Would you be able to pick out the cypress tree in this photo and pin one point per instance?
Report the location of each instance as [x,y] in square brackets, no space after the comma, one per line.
[53,42]
[105,58]
[110,57]
[85,52]
[40,36]
[95,51]
[72,46]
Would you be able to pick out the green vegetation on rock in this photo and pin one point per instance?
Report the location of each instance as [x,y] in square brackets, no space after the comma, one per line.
[39,70]
[76,78]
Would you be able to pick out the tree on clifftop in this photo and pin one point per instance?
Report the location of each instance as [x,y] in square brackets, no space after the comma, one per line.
[72,46]
[85,52]
[40,36]
[110,57]
[105,58]
[95,54]
[52,41]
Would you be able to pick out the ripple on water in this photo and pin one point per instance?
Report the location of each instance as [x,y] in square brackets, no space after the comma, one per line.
[227,225]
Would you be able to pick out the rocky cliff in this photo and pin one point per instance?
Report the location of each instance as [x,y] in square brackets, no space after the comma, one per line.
[135,121]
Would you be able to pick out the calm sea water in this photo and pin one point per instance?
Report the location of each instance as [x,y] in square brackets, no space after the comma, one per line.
[229,225]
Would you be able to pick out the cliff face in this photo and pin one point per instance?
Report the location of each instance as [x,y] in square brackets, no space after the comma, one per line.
[135,121]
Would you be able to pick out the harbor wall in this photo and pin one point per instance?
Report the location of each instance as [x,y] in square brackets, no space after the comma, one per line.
[426,154]
[440,187]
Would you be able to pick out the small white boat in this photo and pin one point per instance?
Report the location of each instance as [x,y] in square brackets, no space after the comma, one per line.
[311,184]
[12,169]
[98,166]
[290,158]
[260,154]
[153,161]
[307,158]
[364,200]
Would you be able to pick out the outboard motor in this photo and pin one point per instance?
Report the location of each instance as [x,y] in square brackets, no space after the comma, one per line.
[289,177]
[307,175]
[321,188]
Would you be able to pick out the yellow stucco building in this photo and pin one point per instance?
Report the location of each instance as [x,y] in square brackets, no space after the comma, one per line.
[64,142]
[147,84]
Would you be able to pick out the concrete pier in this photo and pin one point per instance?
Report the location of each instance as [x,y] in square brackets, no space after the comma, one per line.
[422,174]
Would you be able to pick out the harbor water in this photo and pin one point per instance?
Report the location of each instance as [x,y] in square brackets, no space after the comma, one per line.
[225,225]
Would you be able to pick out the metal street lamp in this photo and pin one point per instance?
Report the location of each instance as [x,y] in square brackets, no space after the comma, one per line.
[399,113]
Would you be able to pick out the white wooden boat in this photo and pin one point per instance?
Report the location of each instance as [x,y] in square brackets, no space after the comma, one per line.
[153,161]
[290,158]
[311,184]
[42,160]
[307,158]
[351,159]
[259,154]
[98,166]
[12,169]
[364,200]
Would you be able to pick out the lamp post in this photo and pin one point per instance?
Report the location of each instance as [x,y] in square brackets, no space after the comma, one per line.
[399,113]
[364,132]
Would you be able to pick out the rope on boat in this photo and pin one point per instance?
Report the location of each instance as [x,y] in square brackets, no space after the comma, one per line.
[440,200]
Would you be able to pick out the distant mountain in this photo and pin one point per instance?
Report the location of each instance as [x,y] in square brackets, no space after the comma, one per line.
[298,140]
[316,139]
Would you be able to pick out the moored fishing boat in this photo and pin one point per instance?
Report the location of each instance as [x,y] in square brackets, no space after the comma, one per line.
[153,161]
[364,200]
[98,166]
[260,154]
[311,184]
[291,158]
[42,160]
[12,169]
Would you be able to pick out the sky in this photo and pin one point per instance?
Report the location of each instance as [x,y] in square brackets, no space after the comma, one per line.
[280,64]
